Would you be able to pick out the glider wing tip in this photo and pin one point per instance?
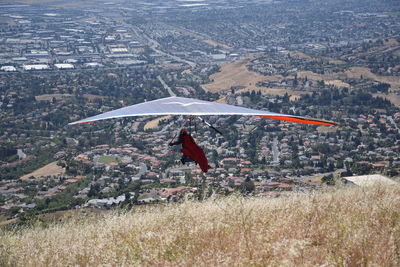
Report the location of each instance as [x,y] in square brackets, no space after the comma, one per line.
[328,123]
[333,123]
[78,123]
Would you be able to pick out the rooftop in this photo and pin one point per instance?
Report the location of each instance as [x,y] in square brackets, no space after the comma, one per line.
[368,180]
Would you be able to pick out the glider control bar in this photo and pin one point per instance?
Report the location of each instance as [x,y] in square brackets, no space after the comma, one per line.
[210,125]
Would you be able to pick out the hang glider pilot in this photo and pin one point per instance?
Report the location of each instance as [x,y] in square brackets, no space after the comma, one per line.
[190,150]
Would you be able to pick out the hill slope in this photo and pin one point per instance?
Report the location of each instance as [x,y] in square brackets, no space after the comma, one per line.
[348,226]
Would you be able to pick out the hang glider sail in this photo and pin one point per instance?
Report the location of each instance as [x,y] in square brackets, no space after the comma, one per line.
[187,106]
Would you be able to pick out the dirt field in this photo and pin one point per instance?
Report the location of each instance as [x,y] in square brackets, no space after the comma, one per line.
[395,99]
[154,123]
[357,72]
[334,61]
[49,97]
[301,55]
[392,41]
[91,97]
[389,44]
[317,77]
[213,43]
[330,79]
[48,170]
[338,83]
[186,72]
[277,91]
[353,73]
[236,74]
[326,129]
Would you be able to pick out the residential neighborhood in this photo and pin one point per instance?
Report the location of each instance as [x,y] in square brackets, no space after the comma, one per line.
[63,62]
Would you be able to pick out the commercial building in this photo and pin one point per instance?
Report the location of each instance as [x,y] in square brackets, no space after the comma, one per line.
[36,67]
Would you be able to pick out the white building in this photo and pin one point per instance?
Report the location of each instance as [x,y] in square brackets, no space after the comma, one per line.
[37,53]
[21,154]
[36,67]
[93,65]
[8,68]
[64,66]
[71,60]
[118,50]
[20,59]
[218,56]
[368,180]
[107,202]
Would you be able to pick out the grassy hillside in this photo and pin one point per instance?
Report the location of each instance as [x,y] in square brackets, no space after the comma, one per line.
[337,227]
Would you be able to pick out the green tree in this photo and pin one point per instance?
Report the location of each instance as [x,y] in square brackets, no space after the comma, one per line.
[328,179]
[247,187]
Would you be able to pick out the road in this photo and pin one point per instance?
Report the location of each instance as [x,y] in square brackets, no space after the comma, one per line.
[166,87]
[390,118]
[142,171]
[275,151]
[155,46]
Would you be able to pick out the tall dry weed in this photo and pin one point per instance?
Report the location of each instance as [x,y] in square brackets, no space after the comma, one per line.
[336,227]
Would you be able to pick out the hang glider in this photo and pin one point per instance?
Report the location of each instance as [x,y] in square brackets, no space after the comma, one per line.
[194,107]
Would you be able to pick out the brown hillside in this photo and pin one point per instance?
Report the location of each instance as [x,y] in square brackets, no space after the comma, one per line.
[339,227]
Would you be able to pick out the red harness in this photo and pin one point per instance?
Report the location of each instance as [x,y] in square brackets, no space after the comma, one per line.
[194,152]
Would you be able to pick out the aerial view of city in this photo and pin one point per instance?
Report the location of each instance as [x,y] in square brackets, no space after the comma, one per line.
[63,61]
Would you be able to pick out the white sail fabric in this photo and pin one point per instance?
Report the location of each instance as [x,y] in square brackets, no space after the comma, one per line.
[187,106]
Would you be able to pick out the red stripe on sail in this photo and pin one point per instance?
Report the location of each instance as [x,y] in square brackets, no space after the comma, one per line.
[81,123]
[299,120]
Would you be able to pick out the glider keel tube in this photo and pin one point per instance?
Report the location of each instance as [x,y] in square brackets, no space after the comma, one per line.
[194,107]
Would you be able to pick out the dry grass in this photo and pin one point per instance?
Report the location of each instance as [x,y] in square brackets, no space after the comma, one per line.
[236,74]
[48,170]
[91,97]
[216,44]
[320,77]
[49,97]
[353,73]
[338,83]
[294,94]
[154,123]
[326,129]
[4,222]
[344,227]
[301,55]
[394,98]
[333,61]
[357,72]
